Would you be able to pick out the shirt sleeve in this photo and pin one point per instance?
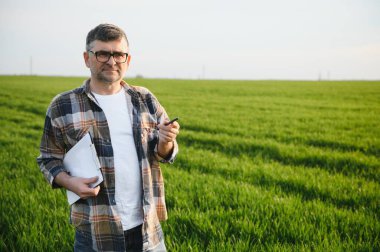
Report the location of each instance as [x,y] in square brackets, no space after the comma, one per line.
[52,151]
[170,159]
[161,116]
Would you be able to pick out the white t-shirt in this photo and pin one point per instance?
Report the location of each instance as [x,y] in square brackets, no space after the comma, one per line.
[128,187]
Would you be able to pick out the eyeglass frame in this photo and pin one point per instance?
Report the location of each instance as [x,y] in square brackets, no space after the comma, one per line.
[110,54]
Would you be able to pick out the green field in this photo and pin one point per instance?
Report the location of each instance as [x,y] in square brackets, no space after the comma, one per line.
[263,166]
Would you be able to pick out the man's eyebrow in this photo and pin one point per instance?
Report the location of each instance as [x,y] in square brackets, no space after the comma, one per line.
[111,51]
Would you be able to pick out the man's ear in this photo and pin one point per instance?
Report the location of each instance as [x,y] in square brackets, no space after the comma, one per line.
[86,58]
[128,59]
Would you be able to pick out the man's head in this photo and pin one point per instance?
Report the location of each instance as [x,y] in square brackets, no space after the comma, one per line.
[105,33]
[107,53]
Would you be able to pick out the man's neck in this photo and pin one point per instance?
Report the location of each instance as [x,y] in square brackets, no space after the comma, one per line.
[105,88]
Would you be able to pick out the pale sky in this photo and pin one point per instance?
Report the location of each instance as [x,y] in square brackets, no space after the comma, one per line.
[212,39]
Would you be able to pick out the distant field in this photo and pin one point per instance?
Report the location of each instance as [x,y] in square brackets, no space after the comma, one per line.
[263,166]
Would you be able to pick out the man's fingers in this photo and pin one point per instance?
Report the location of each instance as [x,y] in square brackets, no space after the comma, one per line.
[168,133]
[90,180]
[169,129]
[81,186]
[168,136]
[176,125]
[96,190]
[89,192]
[172,132]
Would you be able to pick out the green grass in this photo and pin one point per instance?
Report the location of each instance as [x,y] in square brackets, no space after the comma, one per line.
[263,166]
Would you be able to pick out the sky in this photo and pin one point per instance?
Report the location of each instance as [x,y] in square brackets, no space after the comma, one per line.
[199,39]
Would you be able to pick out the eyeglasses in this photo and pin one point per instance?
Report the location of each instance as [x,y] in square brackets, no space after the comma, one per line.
[104,56]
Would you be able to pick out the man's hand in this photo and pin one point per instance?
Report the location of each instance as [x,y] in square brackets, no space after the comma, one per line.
[167,135]
[80,186]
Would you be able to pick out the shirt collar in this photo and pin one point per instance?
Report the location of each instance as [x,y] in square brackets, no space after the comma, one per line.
[85,88]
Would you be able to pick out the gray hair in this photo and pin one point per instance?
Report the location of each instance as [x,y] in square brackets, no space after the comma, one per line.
[105,33]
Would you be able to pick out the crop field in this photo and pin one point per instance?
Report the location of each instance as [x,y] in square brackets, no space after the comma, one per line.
[263,166]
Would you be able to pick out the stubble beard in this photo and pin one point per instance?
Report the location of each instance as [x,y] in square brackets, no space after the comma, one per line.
[102,77]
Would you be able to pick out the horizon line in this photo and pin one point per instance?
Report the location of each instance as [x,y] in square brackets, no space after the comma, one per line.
[194,79]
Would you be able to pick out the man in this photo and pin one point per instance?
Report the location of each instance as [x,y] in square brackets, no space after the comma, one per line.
[131,134]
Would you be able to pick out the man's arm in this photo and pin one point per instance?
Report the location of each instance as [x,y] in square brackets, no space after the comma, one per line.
[167,147]
[52,150]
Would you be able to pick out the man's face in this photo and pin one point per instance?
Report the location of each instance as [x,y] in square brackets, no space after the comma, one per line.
[110,71]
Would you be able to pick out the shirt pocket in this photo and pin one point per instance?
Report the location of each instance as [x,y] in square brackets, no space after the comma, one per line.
[150,138]
[73,136]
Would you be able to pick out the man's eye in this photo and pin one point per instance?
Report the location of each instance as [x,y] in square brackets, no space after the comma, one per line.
[118,55]
[103,54]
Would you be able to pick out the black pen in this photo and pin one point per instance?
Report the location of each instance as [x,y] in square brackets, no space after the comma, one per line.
[171,121]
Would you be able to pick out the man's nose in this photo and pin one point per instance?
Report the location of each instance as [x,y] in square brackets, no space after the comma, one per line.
[111,61]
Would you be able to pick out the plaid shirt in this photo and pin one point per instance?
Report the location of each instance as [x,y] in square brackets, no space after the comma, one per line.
[69,117]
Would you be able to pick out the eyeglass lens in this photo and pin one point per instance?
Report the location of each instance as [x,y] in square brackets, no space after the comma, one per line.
[104,56]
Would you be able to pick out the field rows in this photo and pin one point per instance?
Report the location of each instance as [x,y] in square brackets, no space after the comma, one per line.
[263,166]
